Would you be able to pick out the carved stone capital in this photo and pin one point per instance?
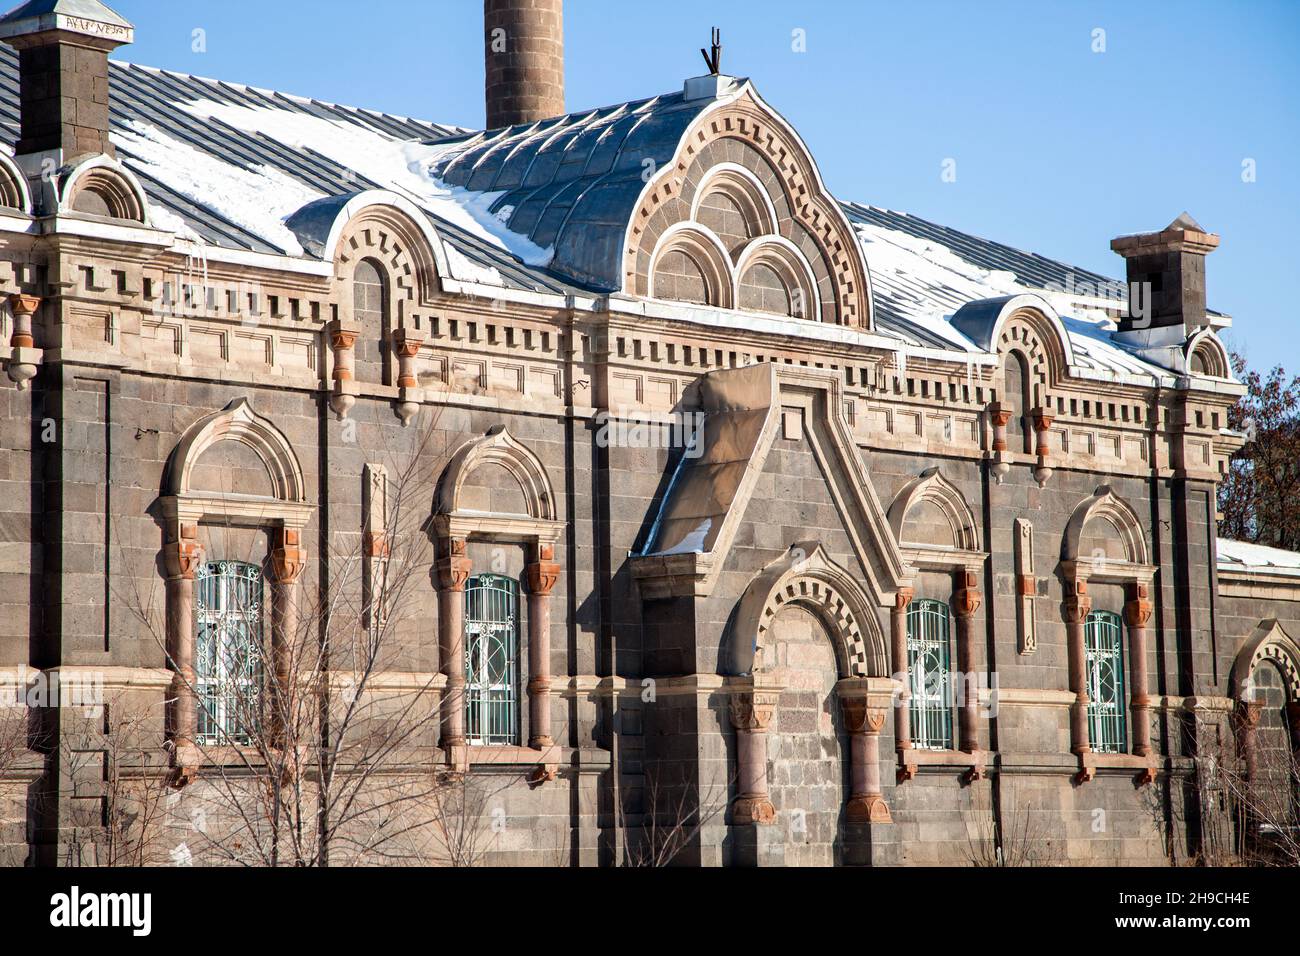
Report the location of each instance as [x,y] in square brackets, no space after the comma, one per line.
[861,717]
[753,711]
[542,576]
[1137,610]
[287,556]
[1077,602]
[183,556]
[902,598]
[966,597]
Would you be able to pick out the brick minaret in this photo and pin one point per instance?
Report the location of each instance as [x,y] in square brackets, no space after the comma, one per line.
[524,48]
[63,48]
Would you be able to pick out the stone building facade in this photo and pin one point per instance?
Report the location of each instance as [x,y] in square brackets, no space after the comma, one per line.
[825,535]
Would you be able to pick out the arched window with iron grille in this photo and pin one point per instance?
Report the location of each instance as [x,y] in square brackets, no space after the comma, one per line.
[1104,657]
[929,666]
[228,651]
[492,660]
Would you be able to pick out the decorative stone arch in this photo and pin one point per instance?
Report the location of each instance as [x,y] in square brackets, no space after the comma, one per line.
[110,183]
[539,529]
[709,255]
[932,487]
[498,446]
[182,508]
[1026,320]
[745,190]
[335,229]
[236,422]
[1205,355]
[805,576]
[1136,574]
[1105,505]
[788,262]
[667,198]
[14,191]
[1269,641]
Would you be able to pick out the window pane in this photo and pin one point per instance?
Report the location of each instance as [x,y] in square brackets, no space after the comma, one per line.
[1103,654]
[491,660]
[929,664]
[227,659]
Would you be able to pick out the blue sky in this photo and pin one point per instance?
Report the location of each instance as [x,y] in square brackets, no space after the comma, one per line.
[1057,148]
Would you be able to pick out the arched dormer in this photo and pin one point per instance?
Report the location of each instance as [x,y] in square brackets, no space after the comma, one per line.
[931,513]
[1104,539]
[497,451]
[379,224]
[807,577]
[103,187]
[14,192]
[1205,355]
[1026,322]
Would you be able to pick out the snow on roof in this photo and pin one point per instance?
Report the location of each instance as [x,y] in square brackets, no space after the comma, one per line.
[1257,558]
[539,207]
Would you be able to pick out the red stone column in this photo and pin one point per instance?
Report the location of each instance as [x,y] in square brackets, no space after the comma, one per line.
[1137,612]
[751,714]
[864,718]
[1077,606]
[181,557]
[542,576]
[453,571]
[966,601]
[287,562]
[902,673]
[343,339]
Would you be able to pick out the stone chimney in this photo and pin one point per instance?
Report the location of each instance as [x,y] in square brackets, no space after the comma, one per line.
[1166,276]
[524,46]
[63,48]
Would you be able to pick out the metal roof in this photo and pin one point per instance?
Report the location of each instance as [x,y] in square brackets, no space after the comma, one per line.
[571,183]
[567,185]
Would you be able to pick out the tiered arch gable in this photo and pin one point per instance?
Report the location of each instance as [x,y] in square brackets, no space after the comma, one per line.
[1205,355]
[741,174]
[807,577]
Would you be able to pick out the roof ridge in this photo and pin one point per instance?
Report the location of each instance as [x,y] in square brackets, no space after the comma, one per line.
[267,91]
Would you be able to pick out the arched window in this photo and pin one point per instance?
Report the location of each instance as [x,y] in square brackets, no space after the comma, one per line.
[1104,658]
[491,660]
[370,306]
[1018,398]
[228,651]
[929,666]
[1278,784]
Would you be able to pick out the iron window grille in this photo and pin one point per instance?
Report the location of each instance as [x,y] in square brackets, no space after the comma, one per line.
[929,666]
[1103,652]
[491,660]
[228,658]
